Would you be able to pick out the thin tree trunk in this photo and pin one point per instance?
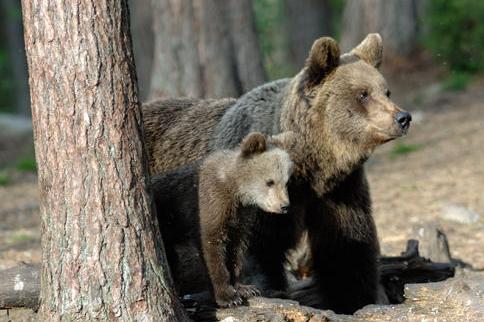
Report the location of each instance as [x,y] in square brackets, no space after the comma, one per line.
[307,20]
[250,66]
[10,14]
[102,257]
[142,30]
[396,20]
[205,48]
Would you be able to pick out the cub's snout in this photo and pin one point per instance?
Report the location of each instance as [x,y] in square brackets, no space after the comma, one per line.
[284,208]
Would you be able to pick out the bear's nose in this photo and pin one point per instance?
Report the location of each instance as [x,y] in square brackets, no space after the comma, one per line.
[284,207]
[403,119]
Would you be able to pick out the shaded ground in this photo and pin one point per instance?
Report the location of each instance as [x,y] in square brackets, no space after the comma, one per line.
[19,221]
[441,161]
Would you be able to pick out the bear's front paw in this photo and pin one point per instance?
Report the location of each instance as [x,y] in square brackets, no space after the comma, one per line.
[247,291]
[228,297]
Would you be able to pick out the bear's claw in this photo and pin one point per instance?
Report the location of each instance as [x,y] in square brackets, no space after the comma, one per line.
[247,291]
[228,298]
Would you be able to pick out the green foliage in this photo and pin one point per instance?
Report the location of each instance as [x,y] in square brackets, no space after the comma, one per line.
[402,148]
[269,20]
[15,12]
[27,164]
[337,7]
[457,81]
[7,80]
[456,33]
[6,83]
[4,178]
[21,237]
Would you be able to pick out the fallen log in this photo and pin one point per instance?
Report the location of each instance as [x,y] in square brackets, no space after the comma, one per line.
[20,286]
[395,272]
[410,268]
[266,309]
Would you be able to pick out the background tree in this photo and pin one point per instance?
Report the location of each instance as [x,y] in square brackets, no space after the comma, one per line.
[397,21]
[142,30]
[101,249]
[205,48]
[306,20]
[11,23]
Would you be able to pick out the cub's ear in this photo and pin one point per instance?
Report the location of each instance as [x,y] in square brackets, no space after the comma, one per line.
[323,58]
[285,140]
[253,143]
[370,50]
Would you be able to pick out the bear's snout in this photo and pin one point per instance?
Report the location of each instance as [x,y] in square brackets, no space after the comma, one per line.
[403,120]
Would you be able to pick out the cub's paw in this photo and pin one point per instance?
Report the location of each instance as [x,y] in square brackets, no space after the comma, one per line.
[228,297]
[247,291]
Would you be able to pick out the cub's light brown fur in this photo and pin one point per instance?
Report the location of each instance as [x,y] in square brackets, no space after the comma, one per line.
[231,182]
[214,205]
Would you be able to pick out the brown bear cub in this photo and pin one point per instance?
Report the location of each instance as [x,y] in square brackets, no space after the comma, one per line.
[231,186]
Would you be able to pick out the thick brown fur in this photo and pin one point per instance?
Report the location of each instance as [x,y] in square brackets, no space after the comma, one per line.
[178,130]
[230,185]
[340,109]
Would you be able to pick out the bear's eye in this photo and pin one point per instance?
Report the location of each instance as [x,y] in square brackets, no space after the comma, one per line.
[363,96]
[270,183]
[388,93]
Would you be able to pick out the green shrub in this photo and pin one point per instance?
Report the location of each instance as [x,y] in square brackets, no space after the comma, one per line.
[456,33]
[6,83]
[4,178]
[269,20]
[21,237]
[27,164]
[402,148]
[337,7]
[457,81]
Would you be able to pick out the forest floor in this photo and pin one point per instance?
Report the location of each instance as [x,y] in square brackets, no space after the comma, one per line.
[412,180]
[439,164]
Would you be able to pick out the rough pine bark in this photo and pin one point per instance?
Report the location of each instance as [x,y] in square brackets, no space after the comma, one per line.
[306,21]
[396,20]
[205,48]
[102,257]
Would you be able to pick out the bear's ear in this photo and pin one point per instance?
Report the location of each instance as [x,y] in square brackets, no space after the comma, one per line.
[370,50]
[285,140]
[253,143]
[323,58]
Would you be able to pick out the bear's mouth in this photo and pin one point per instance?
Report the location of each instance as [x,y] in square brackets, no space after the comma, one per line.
[384,137]
[388,140]
[387,136]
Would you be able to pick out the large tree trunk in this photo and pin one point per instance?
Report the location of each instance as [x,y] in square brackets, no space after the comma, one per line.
[102,257]
[205,48]
[143,46]
[396,21]
[12,23]
[307,20]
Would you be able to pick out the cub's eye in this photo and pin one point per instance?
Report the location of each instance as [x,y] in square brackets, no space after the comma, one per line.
[270,183]
[388,93]
[363,96]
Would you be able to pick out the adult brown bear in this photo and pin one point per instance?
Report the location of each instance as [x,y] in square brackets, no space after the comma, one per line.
[340,107]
